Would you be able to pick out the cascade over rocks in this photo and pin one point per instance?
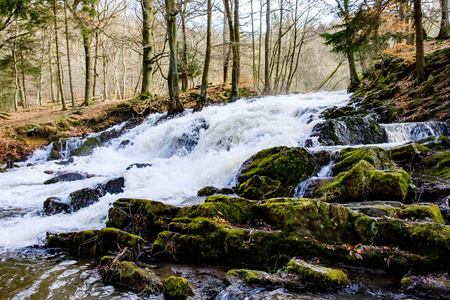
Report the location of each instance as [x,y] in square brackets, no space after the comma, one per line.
[87,148]
[349,131]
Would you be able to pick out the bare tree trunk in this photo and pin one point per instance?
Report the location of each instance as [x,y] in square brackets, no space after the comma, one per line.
[444,31]
[207,59]
[420,55]
[234,31]
[260,40]
[148,15]
[16,71]
[58,60]
[184,57]
[175,105]
[280,32]
[23,88]
[95,74]
[267,51]
[66,23]
[88,92]
[226,48]
[253,47]
[52,80]
[105,73]
[354,80]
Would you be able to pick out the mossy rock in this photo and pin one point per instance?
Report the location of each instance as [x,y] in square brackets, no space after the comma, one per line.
[264,279]
[115,239]
[408,154]
[234,210]
[422,212]
[129,275]
[316,275]
[81,242]
[436,165]
[263,187]
[288,165]
[431,286]
[364,182]
[176,288]
[142,216]
[437,143]
[349,157]
[207,191]
[86,149]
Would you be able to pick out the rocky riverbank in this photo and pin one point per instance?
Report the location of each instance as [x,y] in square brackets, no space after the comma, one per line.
[383,211]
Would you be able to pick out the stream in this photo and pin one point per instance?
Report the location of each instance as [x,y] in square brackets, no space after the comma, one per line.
[180,156]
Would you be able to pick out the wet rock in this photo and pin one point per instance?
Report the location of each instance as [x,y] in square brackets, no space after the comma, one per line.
[129,275]
[81,242]
[86,197]
[263,187]
[138,166]
[55,205]
[408,155]
[432,190]
[189,139]
[444,207]
[124,143]
[107,136]
[176,288]
[115,186]
[422,212]
[317,276]
[261,278]
[437,143]
[337,112]
[113,239]
[87,148]
[207,191]
[141,216]
[65,162]
[436,165]
[324,157]
[349,131]
[67,177]
[364,182]
[432,286]
[349,157]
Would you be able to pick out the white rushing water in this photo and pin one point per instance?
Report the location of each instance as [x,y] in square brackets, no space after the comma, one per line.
[186,154]
[179,168]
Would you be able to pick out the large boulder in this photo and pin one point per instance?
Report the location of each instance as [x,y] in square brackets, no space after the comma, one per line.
[86,197]
[364,182]
[55,205]
[349,130]
[285,167]
[349,157]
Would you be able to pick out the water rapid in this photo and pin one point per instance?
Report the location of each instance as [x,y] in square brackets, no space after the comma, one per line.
[180,156]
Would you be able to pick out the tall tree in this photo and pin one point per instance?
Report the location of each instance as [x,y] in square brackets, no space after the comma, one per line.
[148,14]
[233,25]
[444,31]
[420,55]
[66,25]
[267,51]
[204,86]
[184,52]
[175,105]
[58,58]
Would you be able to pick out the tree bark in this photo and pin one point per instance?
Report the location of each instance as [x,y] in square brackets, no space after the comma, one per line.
[253,47]
[420,55]
[280,31]
[267,51]
[88,92]
[147,49]
[184,57]
[175,105]
[236,55]
[66,23]
[204,86]
[58,60]
[444,31]
[354,80]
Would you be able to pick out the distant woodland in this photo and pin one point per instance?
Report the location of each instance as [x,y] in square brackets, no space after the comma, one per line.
[78,52]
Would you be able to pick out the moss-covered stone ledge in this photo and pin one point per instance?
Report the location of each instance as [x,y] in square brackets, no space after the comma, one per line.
[349,157]
[140,216]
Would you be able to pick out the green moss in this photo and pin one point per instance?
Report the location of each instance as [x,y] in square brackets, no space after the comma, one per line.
[436,165]
[81,242]
[363,182]
[318,275]
[115,239]
[207,191]
[176,288]
[128,274]
[263,187]
[349,157]
[288,165]
[234,210]
[88,146]
[408,153]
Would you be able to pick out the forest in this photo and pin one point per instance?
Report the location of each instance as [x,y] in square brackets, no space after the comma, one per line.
[71,53]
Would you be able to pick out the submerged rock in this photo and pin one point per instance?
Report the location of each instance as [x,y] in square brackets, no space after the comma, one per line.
[115,186]
[138,166]
[433,286]
[176,288]
[55,205]
[86,197]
